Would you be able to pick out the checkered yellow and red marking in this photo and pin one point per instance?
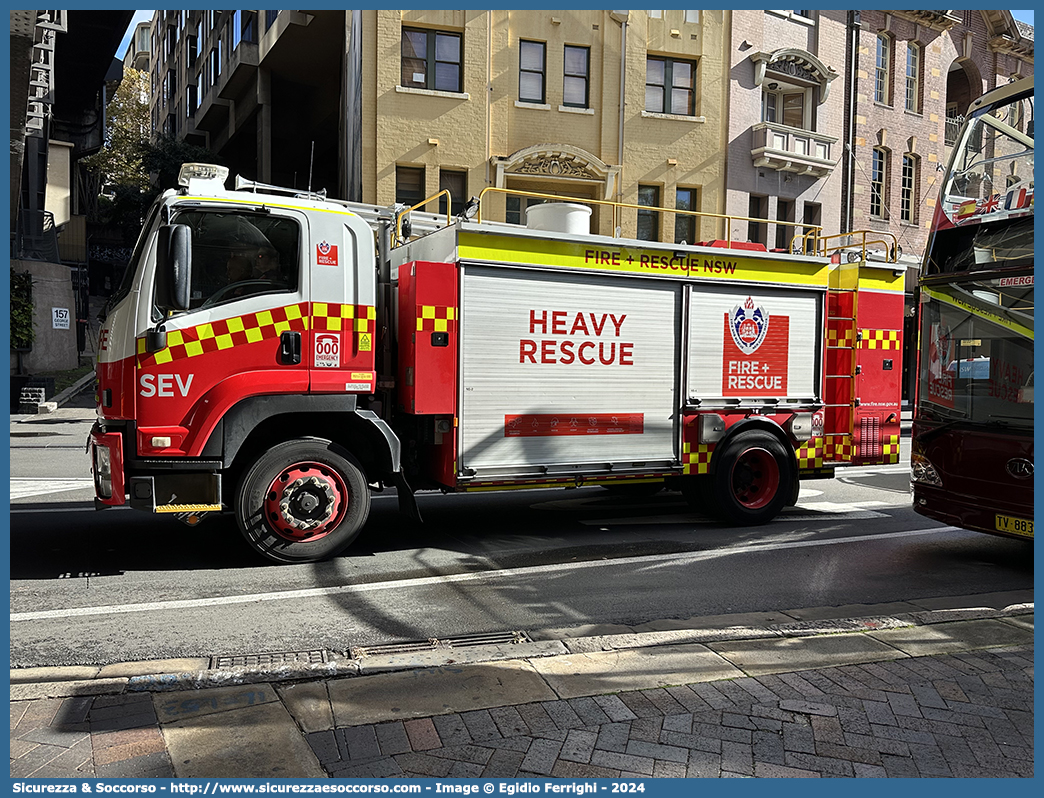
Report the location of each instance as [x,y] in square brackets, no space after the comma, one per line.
[251,328]
[891,449]
[839,447]
[331,316]
[836,337]
[811,454]
[436,318]
[880,339]
[816,452]
[357,320]
[696,457]
[225,334]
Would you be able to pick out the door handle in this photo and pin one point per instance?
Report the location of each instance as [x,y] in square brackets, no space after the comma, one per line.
[290,348]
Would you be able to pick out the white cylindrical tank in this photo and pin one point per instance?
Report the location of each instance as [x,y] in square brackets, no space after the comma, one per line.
[559,217]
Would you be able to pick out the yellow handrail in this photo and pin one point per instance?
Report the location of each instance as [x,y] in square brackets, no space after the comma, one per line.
[800,242]
[616,206]
[891,255]
[421,204]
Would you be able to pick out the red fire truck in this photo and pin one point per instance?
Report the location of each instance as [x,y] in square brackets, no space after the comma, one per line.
[278,355]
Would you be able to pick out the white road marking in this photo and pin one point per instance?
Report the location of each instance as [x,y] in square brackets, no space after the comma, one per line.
[856,511]
[870,471]
[23,487]
[654,560]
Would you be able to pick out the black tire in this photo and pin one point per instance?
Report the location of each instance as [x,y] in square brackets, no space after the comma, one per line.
[753,478]
[302,501]
[795,492]
[634,490]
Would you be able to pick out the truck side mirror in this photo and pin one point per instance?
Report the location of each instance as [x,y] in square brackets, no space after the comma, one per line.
[174,267]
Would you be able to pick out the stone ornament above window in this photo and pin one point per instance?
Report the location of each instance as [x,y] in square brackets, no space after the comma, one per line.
[795,64]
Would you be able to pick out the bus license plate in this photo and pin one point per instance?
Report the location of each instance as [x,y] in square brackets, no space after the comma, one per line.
[1014,526]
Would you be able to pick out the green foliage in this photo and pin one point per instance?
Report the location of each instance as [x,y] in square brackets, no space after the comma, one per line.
[119,161]
[23,333]
[118,174]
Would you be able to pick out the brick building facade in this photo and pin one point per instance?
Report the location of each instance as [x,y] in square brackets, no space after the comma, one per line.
[916,72]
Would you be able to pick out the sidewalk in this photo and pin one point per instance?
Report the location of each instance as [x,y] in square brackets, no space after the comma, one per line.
[943,688]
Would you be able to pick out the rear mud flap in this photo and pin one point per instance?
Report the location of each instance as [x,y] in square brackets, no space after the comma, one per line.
[407,501]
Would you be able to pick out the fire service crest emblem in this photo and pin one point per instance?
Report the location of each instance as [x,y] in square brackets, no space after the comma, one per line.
[748,324]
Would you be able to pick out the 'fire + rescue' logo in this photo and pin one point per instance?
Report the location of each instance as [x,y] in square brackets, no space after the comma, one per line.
[326,253]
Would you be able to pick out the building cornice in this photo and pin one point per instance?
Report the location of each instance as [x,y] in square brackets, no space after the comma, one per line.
[792,61]
[1008,45]
[936,20]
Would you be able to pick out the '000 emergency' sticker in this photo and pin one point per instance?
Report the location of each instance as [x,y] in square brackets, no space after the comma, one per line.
[327,350]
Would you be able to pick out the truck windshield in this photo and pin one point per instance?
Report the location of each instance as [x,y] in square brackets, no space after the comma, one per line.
[235,255]
[977,351]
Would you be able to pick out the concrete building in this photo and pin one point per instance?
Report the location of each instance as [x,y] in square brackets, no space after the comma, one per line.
[139,49]
[63,72]
[262,89]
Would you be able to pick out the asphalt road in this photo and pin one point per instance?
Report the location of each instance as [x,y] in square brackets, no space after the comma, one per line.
[92,587]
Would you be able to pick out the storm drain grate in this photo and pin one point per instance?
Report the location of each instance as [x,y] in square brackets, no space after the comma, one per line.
[269,659]
[432,643]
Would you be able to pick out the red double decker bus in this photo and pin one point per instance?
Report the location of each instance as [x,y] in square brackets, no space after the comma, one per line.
[972,446]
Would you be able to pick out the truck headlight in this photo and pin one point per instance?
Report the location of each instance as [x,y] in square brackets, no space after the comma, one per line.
[924,472]
[103,471]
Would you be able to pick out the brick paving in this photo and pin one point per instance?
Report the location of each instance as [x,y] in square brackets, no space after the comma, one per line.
[963,715]
[88,737]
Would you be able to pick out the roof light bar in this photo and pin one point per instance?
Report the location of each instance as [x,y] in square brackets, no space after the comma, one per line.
[203,172]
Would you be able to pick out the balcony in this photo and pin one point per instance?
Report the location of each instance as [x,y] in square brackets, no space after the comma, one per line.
[790,149]
[240,71]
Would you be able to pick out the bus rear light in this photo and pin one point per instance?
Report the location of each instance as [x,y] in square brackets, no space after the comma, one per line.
[924,472]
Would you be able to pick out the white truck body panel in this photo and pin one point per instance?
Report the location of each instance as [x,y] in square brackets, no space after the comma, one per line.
[565,370]
[782,365]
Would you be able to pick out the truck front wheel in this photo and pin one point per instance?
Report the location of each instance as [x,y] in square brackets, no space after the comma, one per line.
[302,501]
[753,479]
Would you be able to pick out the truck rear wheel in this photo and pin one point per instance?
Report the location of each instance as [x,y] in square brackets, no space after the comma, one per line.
[302,501]
[753,479]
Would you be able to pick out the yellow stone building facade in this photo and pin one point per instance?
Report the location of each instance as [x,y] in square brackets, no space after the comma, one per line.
[532,101]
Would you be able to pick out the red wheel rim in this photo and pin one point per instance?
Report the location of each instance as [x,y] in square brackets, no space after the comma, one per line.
[755,478]
[306,501]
